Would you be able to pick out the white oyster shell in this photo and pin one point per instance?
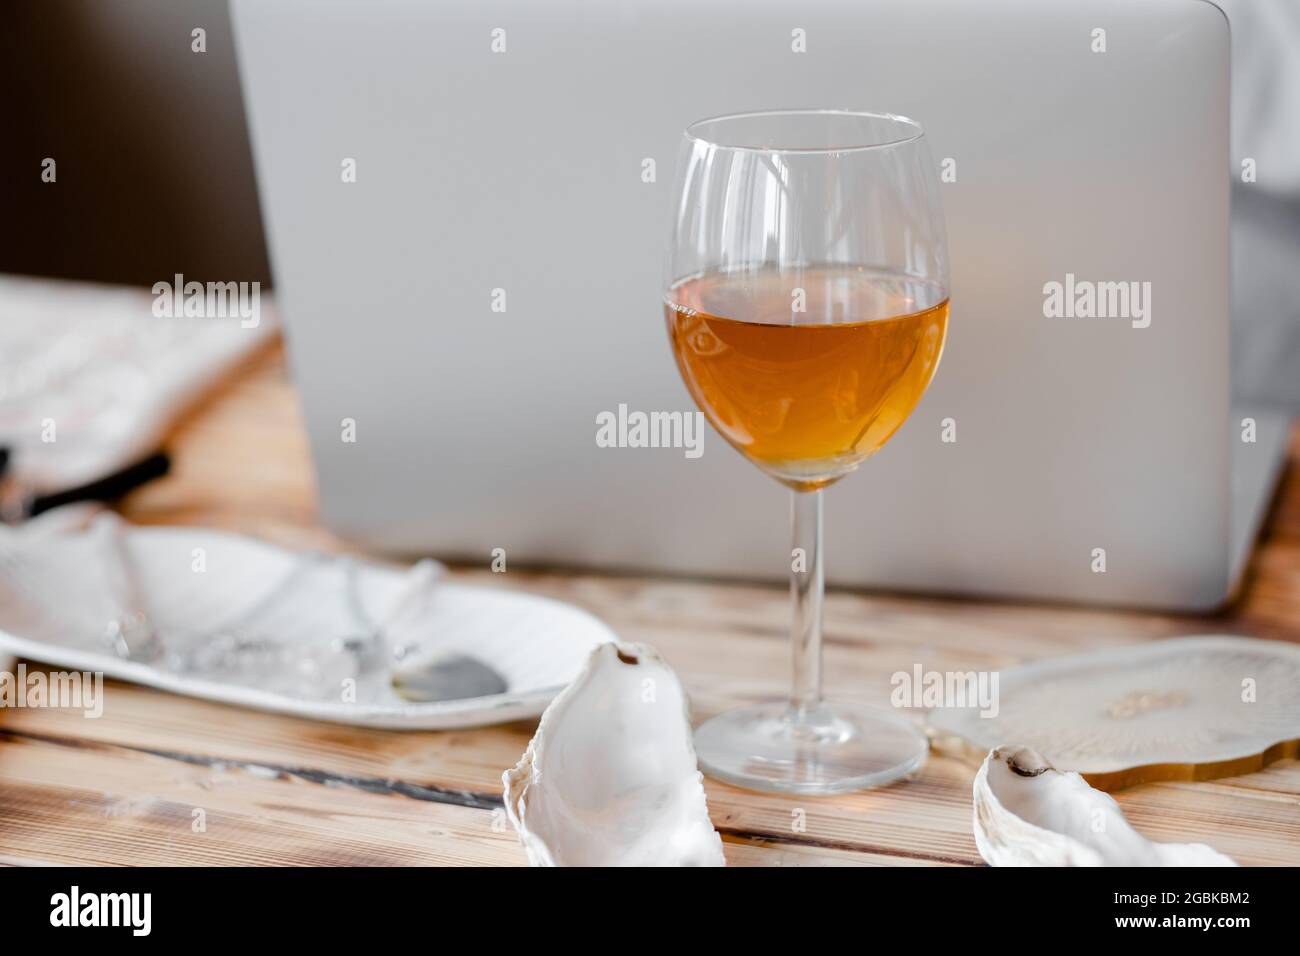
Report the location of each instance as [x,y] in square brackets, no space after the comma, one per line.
[1028,813]
[610,777]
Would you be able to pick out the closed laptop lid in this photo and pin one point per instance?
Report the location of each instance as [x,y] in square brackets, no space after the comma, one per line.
[468,205]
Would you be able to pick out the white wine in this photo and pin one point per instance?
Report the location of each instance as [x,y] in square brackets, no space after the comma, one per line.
[807,373]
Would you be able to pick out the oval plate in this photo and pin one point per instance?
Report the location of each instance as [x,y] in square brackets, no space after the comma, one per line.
[59,590]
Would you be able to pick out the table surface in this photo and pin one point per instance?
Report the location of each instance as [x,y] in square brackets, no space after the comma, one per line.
[164,779]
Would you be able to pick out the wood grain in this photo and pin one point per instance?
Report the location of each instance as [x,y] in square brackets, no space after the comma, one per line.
[123,789]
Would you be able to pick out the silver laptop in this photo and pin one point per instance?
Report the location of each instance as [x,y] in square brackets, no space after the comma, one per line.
[467,206]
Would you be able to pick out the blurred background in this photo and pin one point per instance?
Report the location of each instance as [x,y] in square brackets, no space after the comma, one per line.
[156,175]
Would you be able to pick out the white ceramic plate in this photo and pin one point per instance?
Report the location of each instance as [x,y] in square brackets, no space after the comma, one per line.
[59,590]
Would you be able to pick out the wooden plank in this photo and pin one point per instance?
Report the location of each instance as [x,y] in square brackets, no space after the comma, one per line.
[925,820]
[80,803]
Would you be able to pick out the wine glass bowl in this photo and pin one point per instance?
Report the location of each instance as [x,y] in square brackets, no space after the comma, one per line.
[806,300]
[806,400]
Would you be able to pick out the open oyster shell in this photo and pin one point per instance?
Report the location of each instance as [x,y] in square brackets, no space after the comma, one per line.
[1188,708]
[1028,813]
[610,777]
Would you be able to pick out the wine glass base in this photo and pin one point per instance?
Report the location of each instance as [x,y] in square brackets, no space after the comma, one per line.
[830,749]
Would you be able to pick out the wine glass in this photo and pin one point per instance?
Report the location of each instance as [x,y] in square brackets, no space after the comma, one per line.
[806,297]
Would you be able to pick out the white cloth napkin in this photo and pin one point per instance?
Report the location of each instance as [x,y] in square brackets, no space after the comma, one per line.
[90,378]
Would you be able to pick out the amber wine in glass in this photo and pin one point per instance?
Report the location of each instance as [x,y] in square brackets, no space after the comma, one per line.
[806,299]
[805,402]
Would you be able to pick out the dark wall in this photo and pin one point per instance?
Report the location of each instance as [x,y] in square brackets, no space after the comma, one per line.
[154,171]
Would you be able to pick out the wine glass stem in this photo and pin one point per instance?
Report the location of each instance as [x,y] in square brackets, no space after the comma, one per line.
[807,584]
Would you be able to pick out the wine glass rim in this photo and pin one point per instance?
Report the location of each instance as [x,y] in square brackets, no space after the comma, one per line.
[916,131]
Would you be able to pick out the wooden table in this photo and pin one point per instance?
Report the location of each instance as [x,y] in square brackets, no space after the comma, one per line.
[128,788]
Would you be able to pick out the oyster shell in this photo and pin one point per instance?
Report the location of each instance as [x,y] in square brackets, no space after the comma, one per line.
[1028,813]
[610,778]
